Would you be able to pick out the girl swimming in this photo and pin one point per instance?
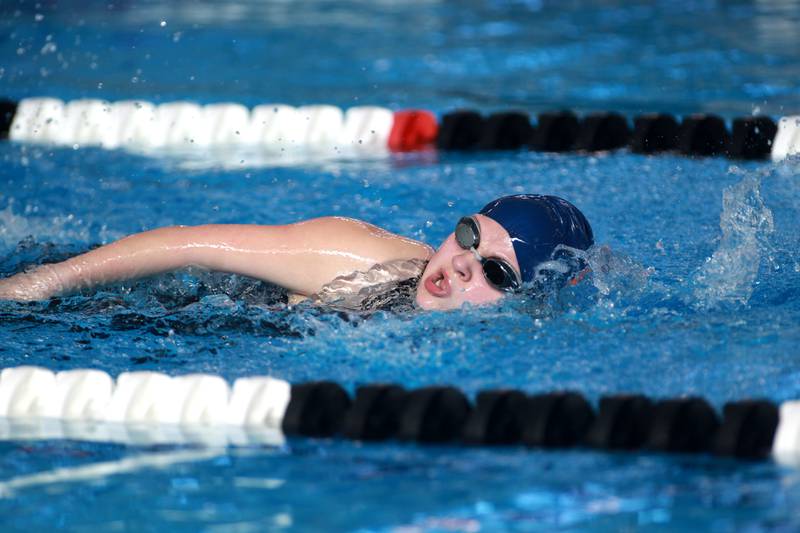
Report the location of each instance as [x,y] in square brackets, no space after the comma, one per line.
[340,262]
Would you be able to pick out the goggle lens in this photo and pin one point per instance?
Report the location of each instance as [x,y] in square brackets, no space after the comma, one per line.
[468,233]
[497,272]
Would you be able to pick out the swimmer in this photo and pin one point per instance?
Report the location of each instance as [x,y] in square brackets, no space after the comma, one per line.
[340,262]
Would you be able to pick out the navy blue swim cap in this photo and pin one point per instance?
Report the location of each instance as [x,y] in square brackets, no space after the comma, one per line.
[537,224]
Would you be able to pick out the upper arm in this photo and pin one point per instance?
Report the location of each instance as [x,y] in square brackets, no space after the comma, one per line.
[301,257]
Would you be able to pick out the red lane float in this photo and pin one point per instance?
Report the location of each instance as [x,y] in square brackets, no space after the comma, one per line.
[413,130]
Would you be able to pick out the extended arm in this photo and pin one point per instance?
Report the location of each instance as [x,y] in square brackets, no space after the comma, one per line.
[301,257]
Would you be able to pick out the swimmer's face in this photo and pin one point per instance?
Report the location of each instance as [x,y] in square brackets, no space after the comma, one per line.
[454,276]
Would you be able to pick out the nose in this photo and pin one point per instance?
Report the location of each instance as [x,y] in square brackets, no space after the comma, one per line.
[463,265]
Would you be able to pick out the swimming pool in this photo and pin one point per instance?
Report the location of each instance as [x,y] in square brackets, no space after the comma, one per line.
[700,297]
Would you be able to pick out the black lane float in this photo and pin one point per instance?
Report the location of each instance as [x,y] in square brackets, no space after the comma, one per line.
[442,414]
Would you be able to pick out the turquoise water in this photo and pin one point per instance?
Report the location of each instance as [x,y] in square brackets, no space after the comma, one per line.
[696,274]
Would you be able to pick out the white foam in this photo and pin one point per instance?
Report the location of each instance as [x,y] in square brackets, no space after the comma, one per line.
[729,275]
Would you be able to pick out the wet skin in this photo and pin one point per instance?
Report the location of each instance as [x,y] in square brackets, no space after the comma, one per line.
[301,257]
[454,276]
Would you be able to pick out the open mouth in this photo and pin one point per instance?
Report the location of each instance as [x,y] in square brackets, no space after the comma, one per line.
[438,284]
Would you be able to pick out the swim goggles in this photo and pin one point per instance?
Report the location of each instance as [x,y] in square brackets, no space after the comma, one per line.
[498,273]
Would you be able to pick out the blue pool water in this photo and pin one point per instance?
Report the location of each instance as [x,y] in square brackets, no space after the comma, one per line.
[696,284]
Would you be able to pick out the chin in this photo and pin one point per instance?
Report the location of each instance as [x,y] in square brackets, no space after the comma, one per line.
[431,303]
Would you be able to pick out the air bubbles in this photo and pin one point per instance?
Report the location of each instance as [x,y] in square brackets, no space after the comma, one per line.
[163,23]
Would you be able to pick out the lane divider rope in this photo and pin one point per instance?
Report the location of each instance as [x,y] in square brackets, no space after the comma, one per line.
[147,407]
[372,129]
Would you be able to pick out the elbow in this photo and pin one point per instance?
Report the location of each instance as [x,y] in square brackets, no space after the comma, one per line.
[198,246]
[179,246]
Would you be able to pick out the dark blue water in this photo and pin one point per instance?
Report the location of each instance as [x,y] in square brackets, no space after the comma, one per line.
[696,284]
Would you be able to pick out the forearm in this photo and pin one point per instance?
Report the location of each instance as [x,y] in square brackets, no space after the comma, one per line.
[138,255]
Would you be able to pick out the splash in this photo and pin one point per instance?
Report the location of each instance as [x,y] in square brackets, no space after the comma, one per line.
[15,227]
[608,271]
[577,280]
[729,275]
[614,273]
